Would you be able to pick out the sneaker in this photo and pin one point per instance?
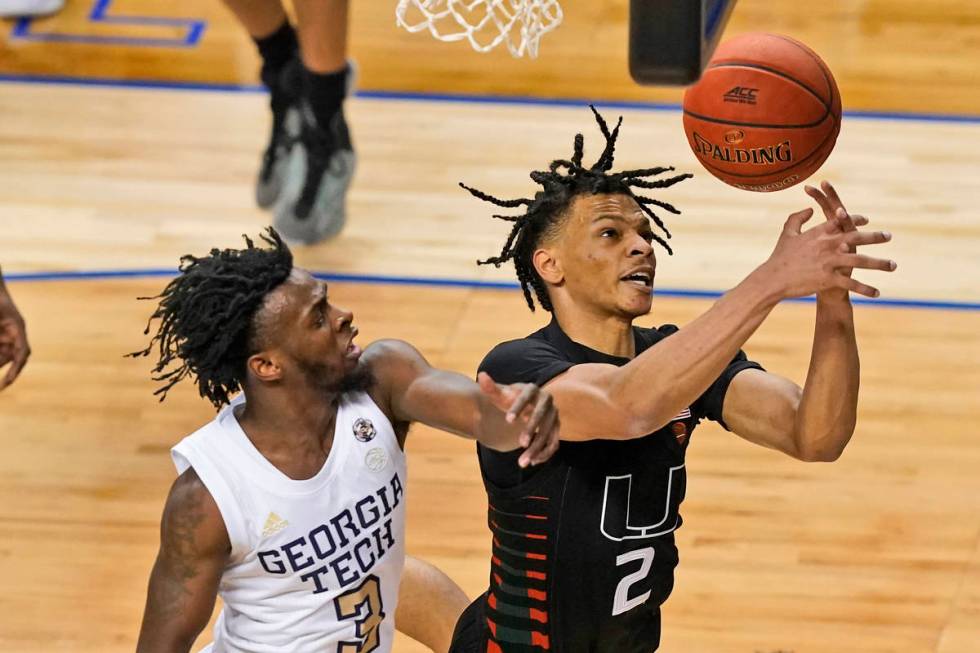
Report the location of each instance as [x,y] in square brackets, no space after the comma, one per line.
[283,88]
[312,204]
[22,8]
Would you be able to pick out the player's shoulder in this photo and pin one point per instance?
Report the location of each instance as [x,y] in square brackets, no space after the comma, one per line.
[520,348]
[386,347]
[188,492]
[532,359]
[192,522]
[191,513]
[391,354]
[393,364]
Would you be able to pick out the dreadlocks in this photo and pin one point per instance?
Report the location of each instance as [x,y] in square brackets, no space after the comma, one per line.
[207,316]
[562,182]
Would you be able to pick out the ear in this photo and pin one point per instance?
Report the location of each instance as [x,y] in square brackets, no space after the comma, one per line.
[264,367]
[548,266]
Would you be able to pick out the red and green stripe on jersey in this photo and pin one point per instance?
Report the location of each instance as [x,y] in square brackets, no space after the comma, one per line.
[517,604]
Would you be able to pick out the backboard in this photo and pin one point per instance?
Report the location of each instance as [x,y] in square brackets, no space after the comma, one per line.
[671,41]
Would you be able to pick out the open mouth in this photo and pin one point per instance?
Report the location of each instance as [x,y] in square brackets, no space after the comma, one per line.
[353,351]
[641,280]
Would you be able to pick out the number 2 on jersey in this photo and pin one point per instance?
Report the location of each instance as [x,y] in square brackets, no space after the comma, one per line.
[621,601]
[363,605]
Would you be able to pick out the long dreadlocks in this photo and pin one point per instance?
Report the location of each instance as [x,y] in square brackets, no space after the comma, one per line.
[562,182]
[207,316]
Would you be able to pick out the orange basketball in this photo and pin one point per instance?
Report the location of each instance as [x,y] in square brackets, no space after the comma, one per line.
[765,114]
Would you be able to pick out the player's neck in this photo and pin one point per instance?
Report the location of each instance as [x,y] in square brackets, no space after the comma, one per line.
[292,428]
[610,334]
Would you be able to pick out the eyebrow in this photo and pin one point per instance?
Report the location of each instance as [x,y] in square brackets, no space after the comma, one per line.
[618,218]
[609,216]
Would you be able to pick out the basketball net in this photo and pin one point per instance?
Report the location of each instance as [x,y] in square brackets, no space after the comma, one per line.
[484,23]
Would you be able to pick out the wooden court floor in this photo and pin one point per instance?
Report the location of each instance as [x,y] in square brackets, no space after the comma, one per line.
[877,553]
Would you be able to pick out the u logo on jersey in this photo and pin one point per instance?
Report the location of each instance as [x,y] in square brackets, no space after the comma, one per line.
[364,430]
[621,517]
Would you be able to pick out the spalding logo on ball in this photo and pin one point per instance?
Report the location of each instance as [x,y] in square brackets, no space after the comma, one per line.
[765,114]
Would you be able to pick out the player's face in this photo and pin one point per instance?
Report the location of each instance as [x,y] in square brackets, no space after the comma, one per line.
[316,338]
[606,255]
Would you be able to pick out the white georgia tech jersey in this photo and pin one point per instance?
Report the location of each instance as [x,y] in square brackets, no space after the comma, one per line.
[315,564]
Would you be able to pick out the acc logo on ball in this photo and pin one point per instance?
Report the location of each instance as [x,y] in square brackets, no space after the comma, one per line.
[741,95]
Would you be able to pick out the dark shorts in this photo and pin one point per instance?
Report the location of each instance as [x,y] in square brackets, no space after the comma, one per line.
[470,635]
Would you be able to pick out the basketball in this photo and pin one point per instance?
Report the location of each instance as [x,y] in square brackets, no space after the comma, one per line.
[766,113]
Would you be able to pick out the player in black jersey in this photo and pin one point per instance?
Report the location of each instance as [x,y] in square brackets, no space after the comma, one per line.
[583,546]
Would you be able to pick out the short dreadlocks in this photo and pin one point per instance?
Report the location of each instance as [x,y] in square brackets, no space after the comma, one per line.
[207,316]
[562,182]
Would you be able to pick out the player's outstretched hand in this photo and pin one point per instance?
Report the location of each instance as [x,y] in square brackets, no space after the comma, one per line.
[532,406]
[14,349]
[822,258]
[833,209]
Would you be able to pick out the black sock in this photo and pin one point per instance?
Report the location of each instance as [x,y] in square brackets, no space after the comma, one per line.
[325,93]
[276,50]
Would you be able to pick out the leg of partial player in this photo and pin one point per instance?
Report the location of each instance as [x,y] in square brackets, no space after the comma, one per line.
[268,25]
[323,34]
[429,605]
[260,19]
[313,202]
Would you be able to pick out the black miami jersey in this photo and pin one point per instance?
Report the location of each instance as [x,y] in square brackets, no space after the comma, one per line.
[583,545]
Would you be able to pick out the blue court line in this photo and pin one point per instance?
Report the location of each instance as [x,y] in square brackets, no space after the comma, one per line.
[100,14]
[446,97]
[440,282]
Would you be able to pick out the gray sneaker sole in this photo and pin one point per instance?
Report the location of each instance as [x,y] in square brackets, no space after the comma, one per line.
[329,212]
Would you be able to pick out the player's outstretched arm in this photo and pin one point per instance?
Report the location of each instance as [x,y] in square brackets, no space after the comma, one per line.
[14,349]
[194,547]
[814,423]
[502,417]
[429,605]
[603,401]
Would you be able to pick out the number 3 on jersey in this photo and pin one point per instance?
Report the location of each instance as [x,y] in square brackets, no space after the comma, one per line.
[363,605]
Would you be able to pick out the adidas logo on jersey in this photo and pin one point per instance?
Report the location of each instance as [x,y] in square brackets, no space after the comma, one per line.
[273,524]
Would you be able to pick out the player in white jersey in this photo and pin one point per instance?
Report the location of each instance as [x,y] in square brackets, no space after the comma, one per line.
[290,504]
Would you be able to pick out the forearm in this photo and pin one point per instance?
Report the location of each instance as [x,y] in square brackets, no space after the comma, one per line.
[452,402]
[670,376]
[429,605]
[828,407]
[166,627]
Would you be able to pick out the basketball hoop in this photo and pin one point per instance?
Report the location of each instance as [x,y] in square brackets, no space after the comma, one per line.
[484,23]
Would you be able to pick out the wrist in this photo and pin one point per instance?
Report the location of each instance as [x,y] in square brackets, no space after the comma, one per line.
[766,284]
[835,309]
[834,299]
